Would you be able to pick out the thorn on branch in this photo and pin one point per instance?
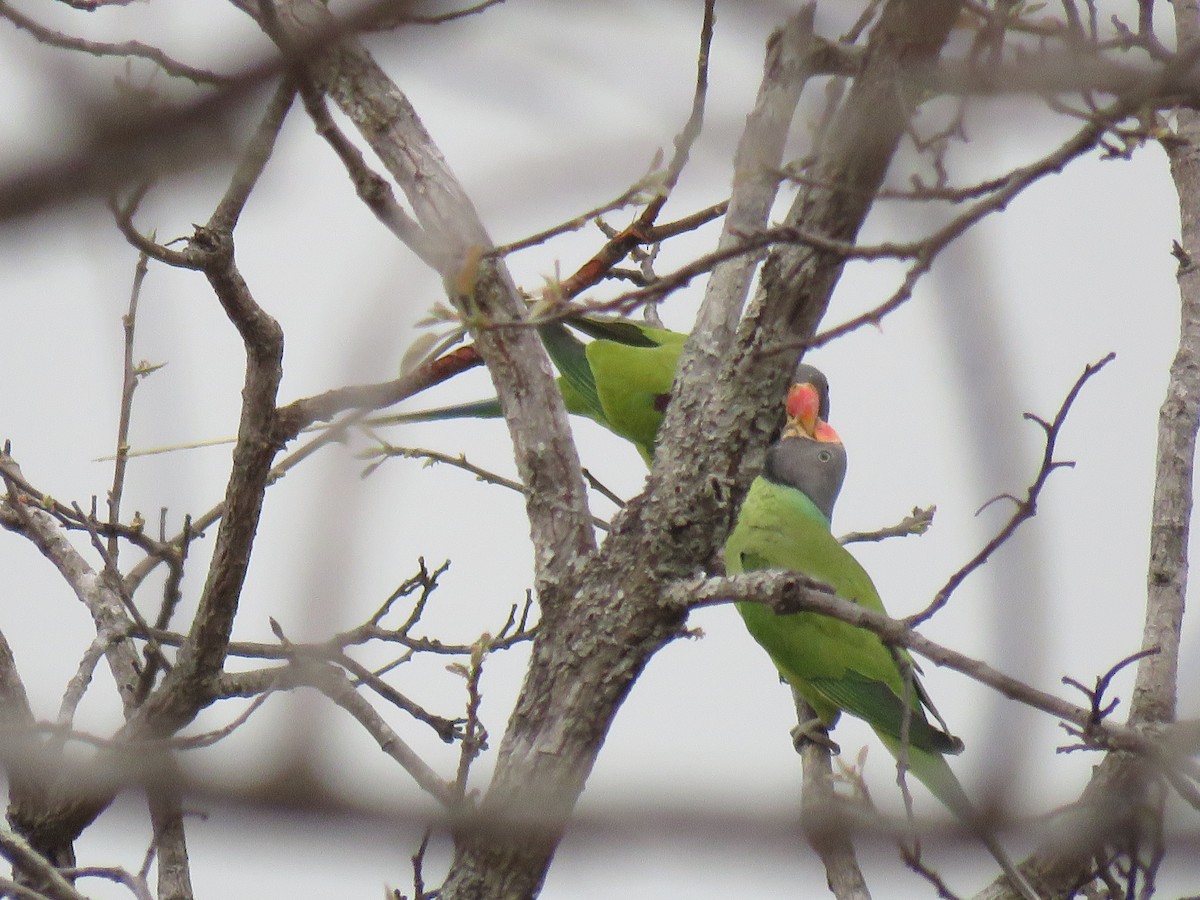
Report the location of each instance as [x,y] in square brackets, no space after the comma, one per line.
[1182,257]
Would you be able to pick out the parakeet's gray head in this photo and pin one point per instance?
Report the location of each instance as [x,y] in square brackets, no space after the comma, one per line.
[806,374]
[814,466]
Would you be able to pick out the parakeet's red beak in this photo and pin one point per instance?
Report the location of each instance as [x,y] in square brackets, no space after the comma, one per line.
[803,403]
[803,415]
[824,433]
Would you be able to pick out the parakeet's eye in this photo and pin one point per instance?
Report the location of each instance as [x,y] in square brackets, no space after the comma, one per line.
[824,456]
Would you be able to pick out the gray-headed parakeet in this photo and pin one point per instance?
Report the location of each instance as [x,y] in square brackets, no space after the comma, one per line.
[784,523]
[621,378]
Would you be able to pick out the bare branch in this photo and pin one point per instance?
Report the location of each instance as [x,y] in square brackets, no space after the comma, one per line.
[916,523]
[1155,687]
[386,450]
[826,824]
[258,151]
[1027,508]
[170,842]
[674,528]
[128,49]
[638,232]
[20,512]
[337,687]
[790,592]
[406,18]
[790,61]
[39,870]
[481,289]
[135,883]
[371,188]
[128,386]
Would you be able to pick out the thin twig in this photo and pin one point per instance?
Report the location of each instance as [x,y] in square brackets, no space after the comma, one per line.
[629,196]
[129,384]
[1027,508]
[602,489]
[80,681]
[337,687]
[1095,695]
[128,49]
[916,523]
[638,232]
[386,451]
[447,729]
[475,735]
[403,17]
[372,188]
[254,160]
[136,884]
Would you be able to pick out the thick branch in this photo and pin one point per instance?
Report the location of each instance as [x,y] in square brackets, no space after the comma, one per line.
[39,870]
[791,54]
[1178,419]
[826,825]
[481,288]
[617,620]
[166,815]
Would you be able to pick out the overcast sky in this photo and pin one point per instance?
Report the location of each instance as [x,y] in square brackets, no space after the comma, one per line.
[543,114]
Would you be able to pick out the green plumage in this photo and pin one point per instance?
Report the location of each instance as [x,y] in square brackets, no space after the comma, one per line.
[620,379]
[835,667]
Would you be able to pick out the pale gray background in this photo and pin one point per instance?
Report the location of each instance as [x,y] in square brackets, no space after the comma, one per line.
[544,110]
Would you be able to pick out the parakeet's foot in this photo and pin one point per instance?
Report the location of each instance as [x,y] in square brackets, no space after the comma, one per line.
[813,732]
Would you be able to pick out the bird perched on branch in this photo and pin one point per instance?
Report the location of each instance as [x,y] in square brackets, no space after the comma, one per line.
[620,379]
[836,667]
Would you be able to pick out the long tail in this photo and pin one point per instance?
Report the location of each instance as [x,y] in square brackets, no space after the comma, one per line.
[480,409]
[569,355]
[935,773]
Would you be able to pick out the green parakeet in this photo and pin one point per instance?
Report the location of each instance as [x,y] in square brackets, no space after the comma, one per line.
[784,523]
[621,378]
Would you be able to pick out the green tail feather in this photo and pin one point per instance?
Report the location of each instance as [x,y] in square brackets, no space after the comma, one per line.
[635,365]
[935,773]
[480,409]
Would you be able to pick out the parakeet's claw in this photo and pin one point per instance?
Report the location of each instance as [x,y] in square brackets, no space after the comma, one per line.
[814,732]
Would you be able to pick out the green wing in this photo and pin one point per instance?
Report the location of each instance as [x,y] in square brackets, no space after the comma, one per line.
[621,379]
[833,665]
[633,383]
[578,385]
